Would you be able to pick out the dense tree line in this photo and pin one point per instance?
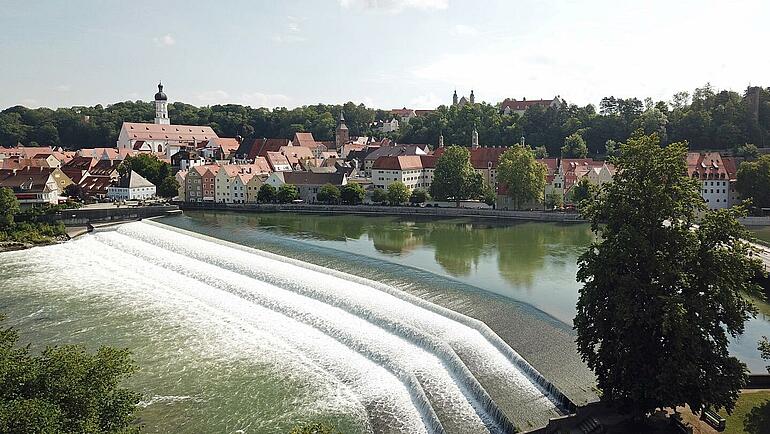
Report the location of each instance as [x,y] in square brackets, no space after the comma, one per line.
[707,119]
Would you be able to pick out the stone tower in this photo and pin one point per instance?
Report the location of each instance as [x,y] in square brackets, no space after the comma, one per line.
[454,98]
[441,140]
[161,107]
[342,135]
[473,98]
[475,139]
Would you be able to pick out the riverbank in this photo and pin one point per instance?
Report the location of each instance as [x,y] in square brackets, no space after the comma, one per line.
[541,216]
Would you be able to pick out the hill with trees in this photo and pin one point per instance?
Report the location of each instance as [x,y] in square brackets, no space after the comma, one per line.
[706,118]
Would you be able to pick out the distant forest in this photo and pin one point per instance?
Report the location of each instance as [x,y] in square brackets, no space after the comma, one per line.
[706,118]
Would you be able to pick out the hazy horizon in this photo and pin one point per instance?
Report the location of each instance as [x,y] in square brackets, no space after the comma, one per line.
[382,53]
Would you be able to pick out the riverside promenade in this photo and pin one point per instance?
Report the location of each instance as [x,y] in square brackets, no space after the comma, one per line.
[390,210]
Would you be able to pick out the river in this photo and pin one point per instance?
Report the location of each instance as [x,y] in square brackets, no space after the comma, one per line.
[348,323]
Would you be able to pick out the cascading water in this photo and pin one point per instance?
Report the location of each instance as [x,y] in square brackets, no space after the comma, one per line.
[400,363]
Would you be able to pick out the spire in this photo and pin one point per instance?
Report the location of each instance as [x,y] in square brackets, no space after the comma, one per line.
[441,140]
[473,98]
[342,117]
[454,98]
[474,138]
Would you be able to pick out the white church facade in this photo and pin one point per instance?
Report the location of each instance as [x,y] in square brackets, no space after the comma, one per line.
[161,136]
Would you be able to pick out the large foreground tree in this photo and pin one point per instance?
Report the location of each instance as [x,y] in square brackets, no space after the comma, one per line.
[65,389]
[662,296]
[454,177]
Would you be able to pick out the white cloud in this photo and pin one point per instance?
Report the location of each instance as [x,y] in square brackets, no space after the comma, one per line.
[292,33]
[464,30]
[63,88]
[164,41]
[429,101]
[254,99]
[394,6]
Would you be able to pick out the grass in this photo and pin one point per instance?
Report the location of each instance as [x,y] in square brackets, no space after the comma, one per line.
[746,403]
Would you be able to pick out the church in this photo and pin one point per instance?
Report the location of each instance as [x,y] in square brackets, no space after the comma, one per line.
[161,136]
[463,101]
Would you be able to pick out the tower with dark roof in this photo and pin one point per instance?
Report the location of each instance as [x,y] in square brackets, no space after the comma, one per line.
[342,135]
[473,98]
[161,107]
[454,98]
[475,139]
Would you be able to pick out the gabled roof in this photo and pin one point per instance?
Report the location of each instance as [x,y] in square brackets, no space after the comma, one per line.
[80,163]
[134,180]
[187,133]
[276,159]
[392,151]
[104,167]
[29,179]
[303,139]
[260,147]
[93,185]
[298,152]
[403,162]
[482,157]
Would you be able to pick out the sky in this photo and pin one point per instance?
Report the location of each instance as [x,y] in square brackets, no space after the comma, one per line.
[383,53]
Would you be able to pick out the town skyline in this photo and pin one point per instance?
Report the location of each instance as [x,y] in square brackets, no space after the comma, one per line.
[388,54]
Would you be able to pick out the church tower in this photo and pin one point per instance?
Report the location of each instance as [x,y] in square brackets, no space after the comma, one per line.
[441,140]
[342,135]
[454,98]
[473,98]
[475,139]
[161,107]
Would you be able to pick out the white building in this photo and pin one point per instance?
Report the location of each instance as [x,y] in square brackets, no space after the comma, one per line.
[717,175]
[131,187]
[415,171]
[161,136]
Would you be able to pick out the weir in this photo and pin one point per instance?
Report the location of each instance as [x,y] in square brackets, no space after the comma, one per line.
[375,320]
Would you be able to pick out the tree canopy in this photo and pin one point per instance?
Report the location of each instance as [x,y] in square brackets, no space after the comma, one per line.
[661,296]
[352,193]
[522,175]
[754,181]
[454,176]
[706,118]
[65,389]
[328,193]
[574,147]
[398,193]
[266,194]
[287,193]
[9,207]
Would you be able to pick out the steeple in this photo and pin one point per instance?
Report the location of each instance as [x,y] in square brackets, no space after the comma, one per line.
[473,98]
[342,135]
[474,138]
[454,98]
[441,140]
[161,107]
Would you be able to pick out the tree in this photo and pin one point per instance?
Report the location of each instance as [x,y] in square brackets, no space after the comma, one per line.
[328,193]
[75,191]
[266,193]
[574,147]
[148,166]
[489,196]
[169,188]
[287,193]
[9,207]
[554,200]
[65,389]
[747,151]
[611,148]
[541,152]
[660,295]
[454,177]
[522,175]
[764,349]
[419,196]
[352,193]
[398,193]
[754,181]
[582,190]
[379,195]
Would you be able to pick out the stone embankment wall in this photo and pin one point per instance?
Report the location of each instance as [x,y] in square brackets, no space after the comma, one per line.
[389,210]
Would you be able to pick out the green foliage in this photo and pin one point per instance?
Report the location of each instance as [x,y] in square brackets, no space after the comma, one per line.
[541,152]
[747,151]
[523,176]
[660,297]
[168,188]
[489,196]
[314,428]
[582,190]
[266,194]
[398,193]
[419,195]
[754,181]
[454,177]
[352,193]
[65,389]
[379,195]
[611,148]
[574,147]
[9,206]
[554,200]
[33,232]
[328,193]
[287,193]
[75,191]
[148,166]
[764,349]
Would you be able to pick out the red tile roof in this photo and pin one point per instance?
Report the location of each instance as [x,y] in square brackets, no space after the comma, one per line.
[402,162]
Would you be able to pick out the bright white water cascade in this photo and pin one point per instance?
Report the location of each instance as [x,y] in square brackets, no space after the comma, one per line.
[389,355]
